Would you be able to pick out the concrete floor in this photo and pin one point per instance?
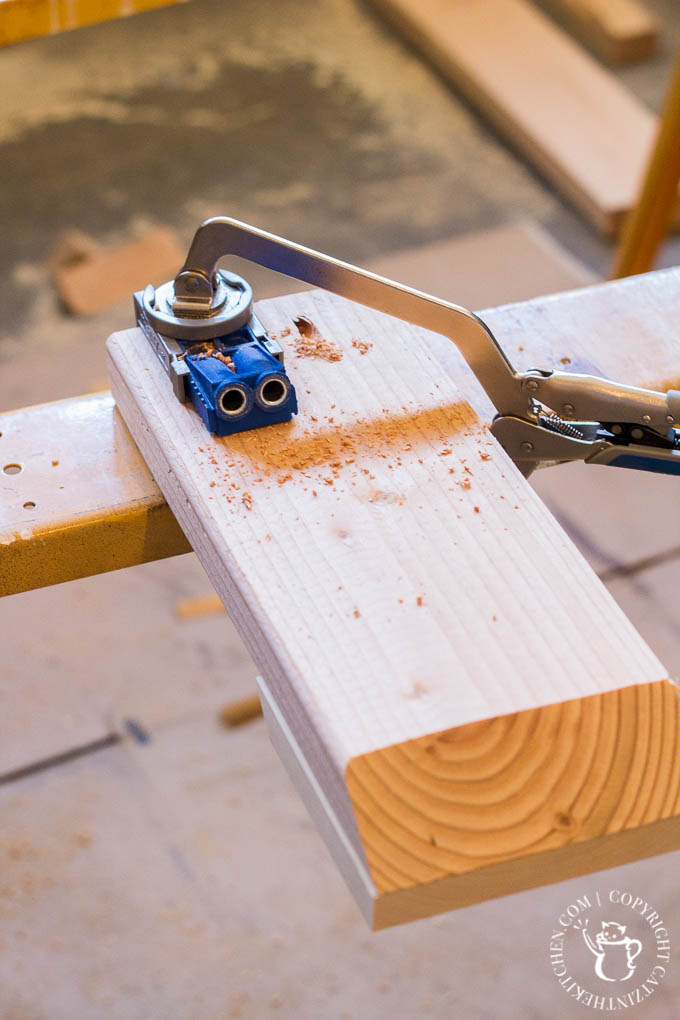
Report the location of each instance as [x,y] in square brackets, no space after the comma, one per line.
[316,120]
[180,877]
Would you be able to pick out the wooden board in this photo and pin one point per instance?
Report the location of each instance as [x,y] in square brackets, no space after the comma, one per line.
[476,713]
[90,278]
[82,500]
[625,330]
[564,112]
[26,19]
[619,31]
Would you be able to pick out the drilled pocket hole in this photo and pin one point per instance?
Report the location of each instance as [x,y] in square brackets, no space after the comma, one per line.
[12,469]
[29,505]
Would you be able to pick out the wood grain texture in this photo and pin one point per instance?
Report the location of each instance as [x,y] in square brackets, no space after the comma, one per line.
[453,804]
[401,587]
[568,115]
[625,330]
[619,31]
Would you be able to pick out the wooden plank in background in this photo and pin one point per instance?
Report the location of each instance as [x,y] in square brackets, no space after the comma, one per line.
[648,224]
[619,31]
[564,112]
[470,710]
[26,19]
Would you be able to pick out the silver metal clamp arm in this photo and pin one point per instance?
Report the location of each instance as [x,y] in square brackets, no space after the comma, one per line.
[194,309]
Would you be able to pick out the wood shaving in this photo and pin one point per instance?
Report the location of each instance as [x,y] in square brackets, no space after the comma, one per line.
[224,358]
[205,350]
[362,346]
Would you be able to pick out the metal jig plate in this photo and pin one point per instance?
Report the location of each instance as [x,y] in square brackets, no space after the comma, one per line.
[231,309]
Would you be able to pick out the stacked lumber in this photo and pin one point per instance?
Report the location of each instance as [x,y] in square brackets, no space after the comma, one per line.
[619,31]
[553,102]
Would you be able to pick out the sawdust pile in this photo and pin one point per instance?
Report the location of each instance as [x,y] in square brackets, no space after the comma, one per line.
[327,451]
[205,350]
[311,344]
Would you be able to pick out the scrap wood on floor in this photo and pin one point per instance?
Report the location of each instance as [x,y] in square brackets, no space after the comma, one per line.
[90,278]
[199,605]
[619,31]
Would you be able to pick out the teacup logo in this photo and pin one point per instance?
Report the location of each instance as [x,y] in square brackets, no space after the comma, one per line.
[609,950]
[615,952]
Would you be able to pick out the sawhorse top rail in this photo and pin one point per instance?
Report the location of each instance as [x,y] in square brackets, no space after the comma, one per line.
[77,497]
